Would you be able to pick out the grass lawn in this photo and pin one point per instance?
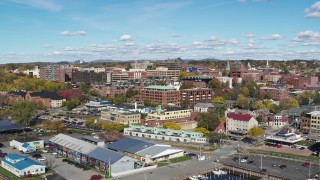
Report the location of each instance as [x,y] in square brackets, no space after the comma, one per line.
[174,160]
[11,176]
[305,143]
[180,159]
[8,174]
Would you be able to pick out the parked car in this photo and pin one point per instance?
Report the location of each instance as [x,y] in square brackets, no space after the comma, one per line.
[263,170]
[58,156]
[282,166]
[279,146]
[306,164]
[250,161]
[274,165]
[41,158]
[243,160]
[2,155]
[302,148]
[36,155]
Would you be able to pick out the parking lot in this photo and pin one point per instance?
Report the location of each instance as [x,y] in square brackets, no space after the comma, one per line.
[293,169]
[69,171]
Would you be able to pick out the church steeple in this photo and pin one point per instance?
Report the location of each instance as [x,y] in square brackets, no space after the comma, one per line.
[267,64]
[228,66]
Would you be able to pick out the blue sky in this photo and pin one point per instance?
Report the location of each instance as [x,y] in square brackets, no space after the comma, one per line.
[59,30]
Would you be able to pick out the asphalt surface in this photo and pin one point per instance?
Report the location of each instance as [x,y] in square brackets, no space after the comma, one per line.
[294,169]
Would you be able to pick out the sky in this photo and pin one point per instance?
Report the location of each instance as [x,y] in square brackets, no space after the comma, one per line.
[60,30]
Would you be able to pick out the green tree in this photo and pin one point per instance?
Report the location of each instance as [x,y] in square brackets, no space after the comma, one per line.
[85,88]
[255,132]
[171,125]
[90,121]
[209,120]
[147,102]
[204,131]
[72,103]
[24,112]
[242,101]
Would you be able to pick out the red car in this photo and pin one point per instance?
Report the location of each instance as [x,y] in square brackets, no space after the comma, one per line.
[279,146]
[306,164]
[2,155]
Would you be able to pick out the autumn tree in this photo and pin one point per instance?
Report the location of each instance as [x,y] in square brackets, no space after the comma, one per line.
[204,131]
[290,103]
[171,125]
[112,126]
[217,99]
[55,126]
[255,132]
[214,83]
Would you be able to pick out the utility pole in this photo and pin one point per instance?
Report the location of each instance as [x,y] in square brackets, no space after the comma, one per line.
[261,163]
[309,171]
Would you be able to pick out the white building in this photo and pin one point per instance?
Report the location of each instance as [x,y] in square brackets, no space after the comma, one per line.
[27,145]
[35,72]
[203,107]
[164,134]
[277,120]
[240,122]
[21,165]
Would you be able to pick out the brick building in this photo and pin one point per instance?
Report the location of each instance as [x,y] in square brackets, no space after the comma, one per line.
[56,72]
[161,94]
[196,95]
[175,115]
[277,94]
[46,99]
[299,82]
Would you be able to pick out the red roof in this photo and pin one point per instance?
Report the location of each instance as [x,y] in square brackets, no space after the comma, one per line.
[240,117]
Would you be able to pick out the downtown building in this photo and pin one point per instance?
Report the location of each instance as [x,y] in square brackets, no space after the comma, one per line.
[161,94]
[56,72]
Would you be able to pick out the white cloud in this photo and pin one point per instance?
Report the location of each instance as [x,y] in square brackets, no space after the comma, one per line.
[175,36]
[250,35]
[307,36]
[125,37]
[313,11]
[47,46]
[41,4]
[75,33]
[273,37]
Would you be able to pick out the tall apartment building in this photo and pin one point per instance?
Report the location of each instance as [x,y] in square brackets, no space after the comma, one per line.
[90,77]
[196,95]
[56,72]
[161,94]
[236,69]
